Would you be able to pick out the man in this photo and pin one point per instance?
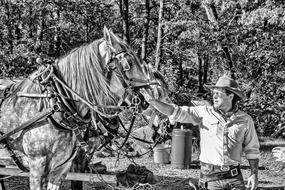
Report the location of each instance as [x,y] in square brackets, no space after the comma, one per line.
[225,134]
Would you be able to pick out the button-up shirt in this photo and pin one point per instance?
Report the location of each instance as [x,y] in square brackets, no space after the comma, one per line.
[223,139]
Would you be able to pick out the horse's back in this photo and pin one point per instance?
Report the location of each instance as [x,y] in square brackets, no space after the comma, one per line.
[4,83]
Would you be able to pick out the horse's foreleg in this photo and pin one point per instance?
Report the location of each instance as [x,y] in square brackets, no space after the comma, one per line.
[79,164]
[38,173]
[2,186]
[57,175]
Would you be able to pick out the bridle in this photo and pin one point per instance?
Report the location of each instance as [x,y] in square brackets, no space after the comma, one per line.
[118,65]
[63,102]
[117,60]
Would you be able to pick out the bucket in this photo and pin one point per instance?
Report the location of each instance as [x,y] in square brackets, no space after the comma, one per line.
[161,154]
[181,148]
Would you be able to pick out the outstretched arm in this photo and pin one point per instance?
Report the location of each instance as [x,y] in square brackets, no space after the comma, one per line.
[176,113]
[166,109]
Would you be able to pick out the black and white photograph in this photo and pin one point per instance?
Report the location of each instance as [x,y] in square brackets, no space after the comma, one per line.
[142,94]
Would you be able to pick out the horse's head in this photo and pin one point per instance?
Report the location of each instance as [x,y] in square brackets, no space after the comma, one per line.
[107,73]
[125,73]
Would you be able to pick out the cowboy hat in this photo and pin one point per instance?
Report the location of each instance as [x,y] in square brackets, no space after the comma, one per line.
[229,84]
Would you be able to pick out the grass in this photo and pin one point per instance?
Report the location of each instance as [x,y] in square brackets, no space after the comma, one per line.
[271,173]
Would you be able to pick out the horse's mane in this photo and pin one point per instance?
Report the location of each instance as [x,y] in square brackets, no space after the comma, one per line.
[82,69]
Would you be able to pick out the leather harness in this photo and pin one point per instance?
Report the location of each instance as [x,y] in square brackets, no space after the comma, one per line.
[63,112]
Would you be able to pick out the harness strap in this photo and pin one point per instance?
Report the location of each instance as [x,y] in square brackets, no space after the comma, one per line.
[15,158]
[31,95]
[136,138]
[68,105]
[3,138]
[107,124]
[130,129]
[45,114]
[89,104]
[82,143]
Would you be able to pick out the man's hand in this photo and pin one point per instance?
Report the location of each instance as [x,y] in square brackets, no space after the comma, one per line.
[279,153]
[252,182]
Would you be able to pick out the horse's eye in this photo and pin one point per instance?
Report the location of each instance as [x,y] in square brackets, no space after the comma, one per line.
[126,65]
[112,65]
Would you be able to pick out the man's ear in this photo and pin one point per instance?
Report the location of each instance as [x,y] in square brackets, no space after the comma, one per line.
[232,96]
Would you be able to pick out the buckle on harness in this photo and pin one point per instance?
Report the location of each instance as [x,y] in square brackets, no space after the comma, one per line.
[66,115]
[56,108]
[225,168]
[203,185]
[234,172]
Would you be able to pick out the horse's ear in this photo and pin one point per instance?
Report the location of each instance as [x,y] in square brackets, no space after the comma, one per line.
[106,34]
[109,36]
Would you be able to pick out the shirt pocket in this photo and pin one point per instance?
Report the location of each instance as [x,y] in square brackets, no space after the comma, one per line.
[210,128]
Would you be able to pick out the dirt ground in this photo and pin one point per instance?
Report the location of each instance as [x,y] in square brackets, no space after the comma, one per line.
[271,174]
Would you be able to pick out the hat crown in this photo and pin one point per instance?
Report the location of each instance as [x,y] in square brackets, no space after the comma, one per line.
[229,84]
[226,81]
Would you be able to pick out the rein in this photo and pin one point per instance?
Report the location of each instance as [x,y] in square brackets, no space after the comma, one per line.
[64,104]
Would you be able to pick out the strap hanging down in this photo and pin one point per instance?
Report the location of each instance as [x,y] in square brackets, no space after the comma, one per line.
[17,161]
[45,114]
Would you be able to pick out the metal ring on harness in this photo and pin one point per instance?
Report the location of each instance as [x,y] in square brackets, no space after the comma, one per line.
[56,108]
[48,76]
[66,115]
[136,100]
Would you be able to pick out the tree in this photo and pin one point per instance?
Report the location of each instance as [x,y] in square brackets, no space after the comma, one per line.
[124,9]
[145,29]
[159,35]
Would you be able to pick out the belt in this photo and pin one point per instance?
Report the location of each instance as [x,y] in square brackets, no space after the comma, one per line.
[213,172]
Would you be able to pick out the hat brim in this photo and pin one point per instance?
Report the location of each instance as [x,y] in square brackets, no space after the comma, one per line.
[238,92]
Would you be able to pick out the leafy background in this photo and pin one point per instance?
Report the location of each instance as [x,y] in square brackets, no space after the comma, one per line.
[244,37]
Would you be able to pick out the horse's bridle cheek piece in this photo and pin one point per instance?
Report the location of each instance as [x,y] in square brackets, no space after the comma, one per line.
[118,62]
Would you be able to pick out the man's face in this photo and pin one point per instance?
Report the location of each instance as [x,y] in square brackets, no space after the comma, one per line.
[221,100]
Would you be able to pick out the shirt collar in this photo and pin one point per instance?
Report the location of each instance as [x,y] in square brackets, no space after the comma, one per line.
[228,114]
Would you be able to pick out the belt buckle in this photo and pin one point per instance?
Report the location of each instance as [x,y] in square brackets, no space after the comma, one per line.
[225,168]
[234,172]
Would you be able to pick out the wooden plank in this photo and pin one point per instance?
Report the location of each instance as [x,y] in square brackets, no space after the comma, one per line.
[70,176]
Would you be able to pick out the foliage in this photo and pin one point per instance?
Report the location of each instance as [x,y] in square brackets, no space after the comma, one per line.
[252,31]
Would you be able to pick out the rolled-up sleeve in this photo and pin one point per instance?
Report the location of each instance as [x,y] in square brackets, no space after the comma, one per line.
[185,114]
[251,143]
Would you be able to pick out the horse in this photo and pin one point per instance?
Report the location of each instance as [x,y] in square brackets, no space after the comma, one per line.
[42,116]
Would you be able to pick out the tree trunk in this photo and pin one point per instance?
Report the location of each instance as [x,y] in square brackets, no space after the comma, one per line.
[30,10]
[9,27]
[181,74]
[125,15]
[211,12]
[200,74]
[213,18]
[145,33]
[205,69]
[159,35]
[57,39]
[40,30]
[87,35]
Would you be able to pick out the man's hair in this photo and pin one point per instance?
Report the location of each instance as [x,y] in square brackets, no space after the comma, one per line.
[235,99]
